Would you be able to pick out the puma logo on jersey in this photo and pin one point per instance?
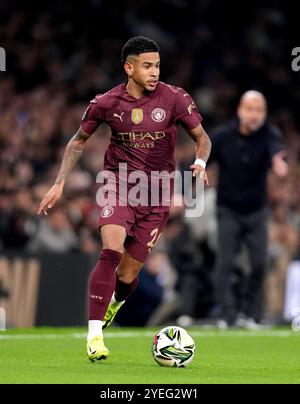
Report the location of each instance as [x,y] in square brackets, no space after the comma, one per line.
[119,116]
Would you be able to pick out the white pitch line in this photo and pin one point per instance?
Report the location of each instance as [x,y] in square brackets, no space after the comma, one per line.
[132,334]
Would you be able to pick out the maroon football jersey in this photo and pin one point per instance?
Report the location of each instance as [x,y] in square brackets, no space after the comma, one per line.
[143,130]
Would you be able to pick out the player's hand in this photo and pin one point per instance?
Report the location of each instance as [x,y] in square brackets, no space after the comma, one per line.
[203,174]
[50,199]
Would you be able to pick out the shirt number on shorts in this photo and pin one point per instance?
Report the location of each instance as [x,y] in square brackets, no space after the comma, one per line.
[154,240]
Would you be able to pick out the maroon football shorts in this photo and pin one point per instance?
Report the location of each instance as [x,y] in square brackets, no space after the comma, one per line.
[143,225]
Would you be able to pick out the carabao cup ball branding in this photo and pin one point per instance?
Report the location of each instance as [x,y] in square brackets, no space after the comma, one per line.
[173,347]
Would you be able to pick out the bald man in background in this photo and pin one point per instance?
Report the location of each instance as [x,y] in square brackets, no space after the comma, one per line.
[245,149]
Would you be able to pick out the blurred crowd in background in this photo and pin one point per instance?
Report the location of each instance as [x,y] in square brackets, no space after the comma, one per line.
[59,57]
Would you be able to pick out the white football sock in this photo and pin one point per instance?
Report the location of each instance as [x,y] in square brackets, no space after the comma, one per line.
[95,329]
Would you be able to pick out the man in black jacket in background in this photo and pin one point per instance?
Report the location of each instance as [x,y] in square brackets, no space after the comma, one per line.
[245,149]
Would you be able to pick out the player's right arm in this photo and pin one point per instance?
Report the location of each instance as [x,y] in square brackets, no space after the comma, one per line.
[91,119]
[72,154]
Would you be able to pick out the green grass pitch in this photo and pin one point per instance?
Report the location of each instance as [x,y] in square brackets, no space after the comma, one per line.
[53,355]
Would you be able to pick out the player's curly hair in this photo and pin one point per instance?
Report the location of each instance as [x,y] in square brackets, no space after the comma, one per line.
[137,45]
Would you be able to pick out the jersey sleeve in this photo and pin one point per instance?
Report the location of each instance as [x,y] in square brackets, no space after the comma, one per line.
[187,113]
[92,116]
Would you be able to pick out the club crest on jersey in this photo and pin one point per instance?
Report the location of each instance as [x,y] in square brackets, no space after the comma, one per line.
[137,115]
[158,115]
[107,211]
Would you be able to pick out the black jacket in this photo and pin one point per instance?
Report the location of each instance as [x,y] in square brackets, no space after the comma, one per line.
[244,162]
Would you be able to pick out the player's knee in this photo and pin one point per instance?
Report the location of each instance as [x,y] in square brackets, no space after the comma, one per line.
[113,245]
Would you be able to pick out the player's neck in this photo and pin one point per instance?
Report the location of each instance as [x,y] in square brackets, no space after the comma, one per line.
[135,90]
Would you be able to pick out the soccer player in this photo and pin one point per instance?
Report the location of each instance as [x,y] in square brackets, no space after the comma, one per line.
[142,114]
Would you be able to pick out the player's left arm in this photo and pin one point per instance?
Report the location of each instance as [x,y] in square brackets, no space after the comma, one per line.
[202,151]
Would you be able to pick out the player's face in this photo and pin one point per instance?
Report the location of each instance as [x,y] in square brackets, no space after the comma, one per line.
[144,70]
[252,113]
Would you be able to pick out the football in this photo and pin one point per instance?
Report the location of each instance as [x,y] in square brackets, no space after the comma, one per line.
[173,347]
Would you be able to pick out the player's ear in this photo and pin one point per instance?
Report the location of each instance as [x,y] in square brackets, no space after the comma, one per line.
[128,67]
